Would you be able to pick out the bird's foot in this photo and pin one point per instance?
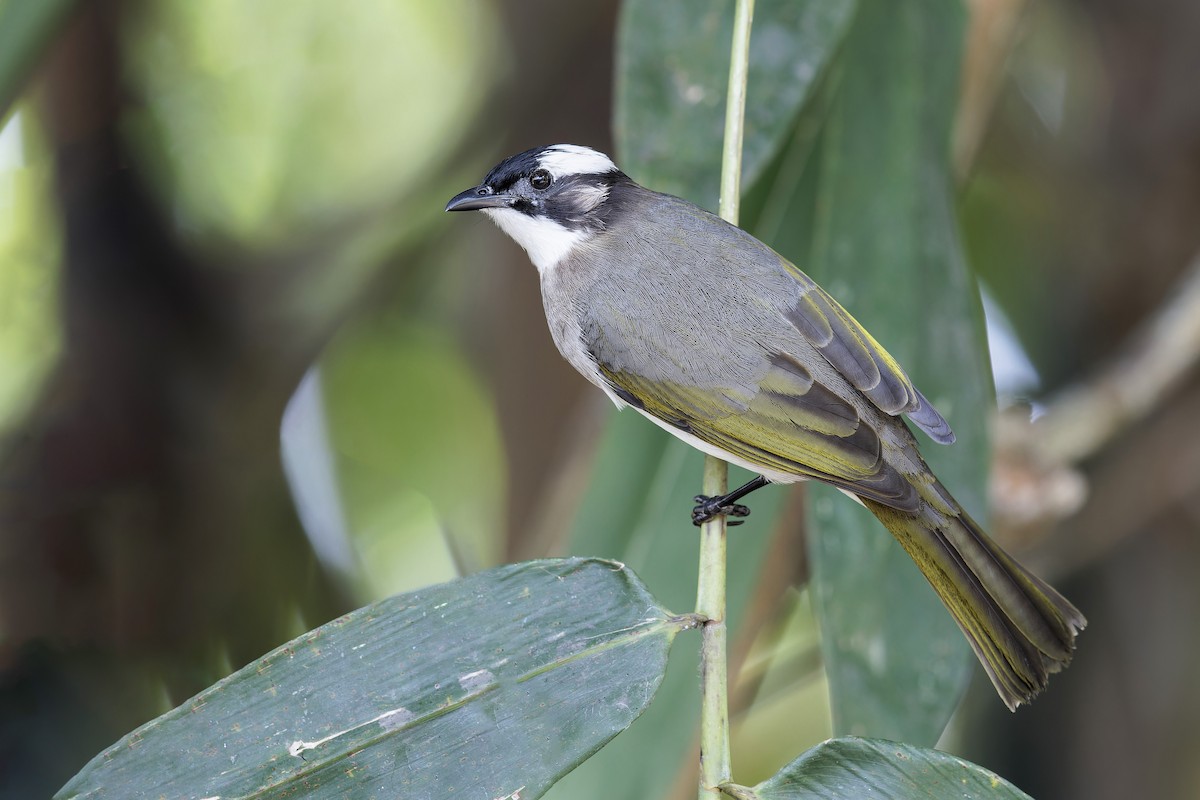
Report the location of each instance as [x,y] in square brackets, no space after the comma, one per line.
[709,507]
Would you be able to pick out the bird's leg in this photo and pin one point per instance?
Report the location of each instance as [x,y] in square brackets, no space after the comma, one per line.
[709,507]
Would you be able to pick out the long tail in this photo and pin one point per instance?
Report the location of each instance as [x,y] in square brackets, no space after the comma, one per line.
[1019,626]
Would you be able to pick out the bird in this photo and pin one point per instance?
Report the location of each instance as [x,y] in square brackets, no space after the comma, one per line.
[722,342]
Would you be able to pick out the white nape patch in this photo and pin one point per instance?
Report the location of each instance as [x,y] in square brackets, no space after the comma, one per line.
[774,476]
[546,242]
[573,159]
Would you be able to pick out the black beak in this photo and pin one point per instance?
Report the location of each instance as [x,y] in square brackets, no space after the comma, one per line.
[477,198]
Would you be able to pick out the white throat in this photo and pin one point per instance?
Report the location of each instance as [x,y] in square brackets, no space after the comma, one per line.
[546,241]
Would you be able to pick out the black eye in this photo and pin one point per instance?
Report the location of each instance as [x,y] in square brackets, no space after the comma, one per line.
[540,179]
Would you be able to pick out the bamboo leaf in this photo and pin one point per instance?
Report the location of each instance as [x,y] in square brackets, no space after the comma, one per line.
[672,68]
[882,770]
[873,221]
[491,686]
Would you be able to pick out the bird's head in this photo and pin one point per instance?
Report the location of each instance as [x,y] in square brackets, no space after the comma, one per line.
[550,199]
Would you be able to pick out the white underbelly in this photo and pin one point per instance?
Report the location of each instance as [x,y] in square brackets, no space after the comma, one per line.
[773,476]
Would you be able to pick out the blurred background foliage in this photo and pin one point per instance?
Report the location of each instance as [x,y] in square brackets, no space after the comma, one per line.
[251,378]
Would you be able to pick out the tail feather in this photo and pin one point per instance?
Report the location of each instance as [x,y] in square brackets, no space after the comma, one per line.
[1020,628]
[1054,610]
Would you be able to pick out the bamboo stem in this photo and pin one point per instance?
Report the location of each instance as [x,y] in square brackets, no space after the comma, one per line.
[715,766]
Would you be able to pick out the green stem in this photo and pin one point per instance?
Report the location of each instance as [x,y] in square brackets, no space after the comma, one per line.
[710,593]
[735,112]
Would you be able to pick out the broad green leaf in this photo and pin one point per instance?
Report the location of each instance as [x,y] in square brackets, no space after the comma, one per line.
[638,512]
[854,768]
[671,77]
[26,28]
[492,686]
[872,220]
[628,461]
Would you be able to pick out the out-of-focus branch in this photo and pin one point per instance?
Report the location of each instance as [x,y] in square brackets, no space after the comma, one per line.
[1036,479]
[1036,482]
[1086,417]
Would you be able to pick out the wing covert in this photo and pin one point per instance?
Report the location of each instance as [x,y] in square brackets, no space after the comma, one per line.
[851,350]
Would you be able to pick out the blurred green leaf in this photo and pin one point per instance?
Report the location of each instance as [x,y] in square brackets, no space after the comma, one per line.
[637,511]
[671,78]
[875,768]
[258,139]
[790,710]
[412,426]
[26,28]
[30,251]
[492,686]
[870,216]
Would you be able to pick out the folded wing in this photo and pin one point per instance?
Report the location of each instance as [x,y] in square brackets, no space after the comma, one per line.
[792,424]
[851,350]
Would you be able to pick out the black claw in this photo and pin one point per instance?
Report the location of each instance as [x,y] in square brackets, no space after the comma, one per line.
[736,510]
[709,507]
